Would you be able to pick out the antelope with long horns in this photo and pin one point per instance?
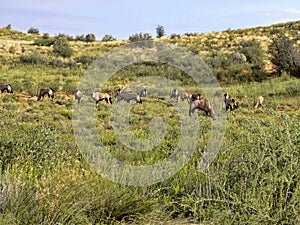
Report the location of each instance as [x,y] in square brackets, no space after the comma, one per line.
[45,91]
[259,102]
[203,105]
[6,87]
[100,96]
[128,96]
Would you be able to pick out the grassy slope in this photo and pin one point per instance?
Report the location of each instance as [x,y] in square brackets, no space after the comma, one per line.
[44,180]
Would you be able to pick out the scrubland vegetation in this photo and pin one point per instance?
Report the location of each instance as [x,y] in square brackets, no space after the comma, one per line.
[254,179]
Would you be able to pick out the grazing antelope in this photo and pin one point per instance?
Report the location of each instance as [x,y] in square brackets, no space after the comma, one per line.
[259,102]
[128,96]
[230,104]
[98,96]
[204,105]
[143,93]
[174,94]
[226,97]
[184,96]
[77,96]
[44,91]
[190,97]
[6,87]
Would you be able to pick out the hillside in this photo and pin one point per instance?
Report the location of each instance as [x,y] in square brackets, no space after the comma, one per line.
[216,48]
[45,146]
[223,40]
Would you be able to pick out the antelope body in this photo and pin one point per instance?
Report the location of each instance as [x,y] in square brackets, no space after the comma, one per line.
[203,105]
[99,96]
[6,87]
[143,93]
[190,97]
[77,96]
[174,94]
[230,104]
[45,91]
[259,102]
[181,97]
[128,96]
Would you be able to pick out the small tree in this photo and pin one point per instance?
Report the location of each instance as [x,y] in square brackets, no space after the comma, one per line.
[90,38]
[62,47]
[238,58]
[284,55]
[68,37]
[139,37]
[174,36]
[8,27]
[45,36]
[252,51]
[33,30]
[160,31]
[108,37]
[80,37]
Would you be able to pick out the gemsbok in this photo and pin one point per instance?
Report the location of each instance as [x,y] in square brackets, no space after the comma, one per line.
[184,96]
[45,91]
[226,97]
[230,104]
[6,87]
[203,105]
[77,96]
[100,96]
[190,97]
[143,93]
[259,102]
[174,94]
[128,96]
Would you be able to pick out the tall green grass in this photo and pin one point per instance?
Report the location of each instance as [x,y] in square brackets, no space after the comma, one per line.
[45,180]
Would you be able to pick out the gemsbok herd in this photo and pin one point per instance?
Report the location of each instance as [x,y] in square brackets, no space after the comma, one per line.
[194,99]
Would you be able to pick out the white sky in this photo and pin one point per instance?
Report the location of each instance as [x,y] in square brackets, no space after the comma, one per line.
[122,18]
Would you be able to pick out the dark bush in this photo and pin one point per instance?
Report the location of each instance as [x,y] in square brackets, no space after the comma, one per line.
[33,30]
[56,62]
[80,37]
[108,37]
[61,47]
[293,89]
[48,41]
[85,59]
[68,37]
[174,36]
[139,37]
[90,38]
[285,56]
[160,31]
[33,58]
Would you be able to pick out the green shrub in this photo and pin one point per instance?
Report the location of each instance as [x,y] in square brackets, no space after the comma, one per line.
[44,41]
[139,37]
[56,62]
[90,37]
[293,89]
[86,60]
[61,47]
[33,58]
[108,37]
[12,50]
[33,30]
[70,86]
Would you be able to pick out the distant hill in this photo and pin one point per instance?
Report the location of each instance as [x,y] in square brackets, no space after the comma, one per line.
[15,43]
[292,29]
